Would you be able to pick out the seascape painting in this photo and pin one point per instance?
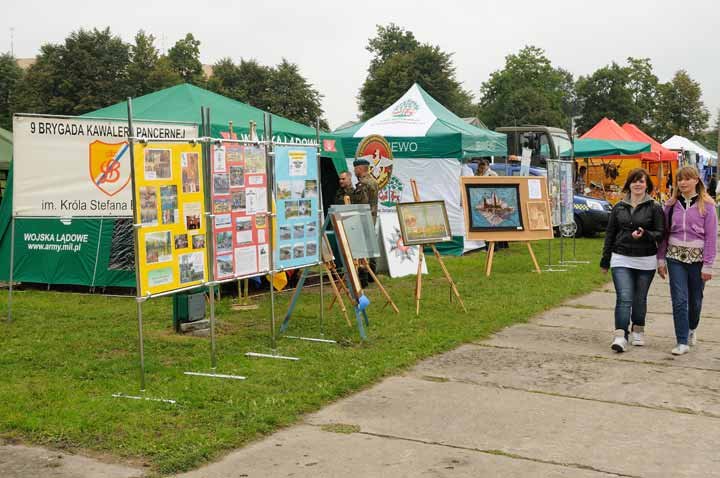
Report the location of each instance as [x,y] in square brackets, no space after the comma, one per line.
[494,207]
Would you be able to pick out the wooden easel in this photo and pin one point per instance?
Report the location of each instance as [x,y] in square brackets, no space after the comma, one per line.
[365,264]
[331,272]
[421,257]
[491,253]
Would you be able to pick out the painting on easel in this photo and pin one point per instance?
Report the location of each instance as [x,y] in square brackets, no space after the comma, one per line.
[494,207]
[424,222]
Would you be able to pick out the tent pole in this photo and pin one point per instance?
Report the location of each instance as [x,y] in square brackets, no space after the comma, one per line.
[12,266]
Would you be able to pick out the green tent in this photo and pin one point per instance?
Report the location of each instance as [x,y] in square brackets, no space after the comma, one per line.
[429,144]
[433,130]
[5,158]
[182,103]
[592,148]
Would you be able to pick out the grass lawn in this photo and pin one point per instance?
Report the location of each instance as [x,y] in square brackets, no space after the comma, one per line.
[64,355]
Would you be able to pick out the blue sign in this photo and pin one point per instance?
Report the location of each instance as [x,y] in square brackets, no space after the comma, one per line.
[297,243]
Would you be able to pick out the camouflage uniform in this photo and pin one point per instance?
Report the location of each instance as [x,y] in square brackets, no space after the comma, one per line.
[341,193]
[366,192]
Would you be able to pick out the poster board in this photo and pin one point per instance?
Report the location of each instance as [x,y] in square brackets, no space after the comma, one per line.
[424,222]
[239,198]
[170,209]
[78,167]
[296,194]
[402,260]
[496,207]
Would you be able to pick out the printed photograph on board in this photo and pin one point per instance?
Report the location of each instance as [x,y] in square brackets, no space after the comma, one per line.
[254,160]
[424,222]
[283,190]
[181,241]
[260,220]
[221,205]
[285,253]
[298,231]
[311,229]
[219,160]
[311,248]
[299,251]
[537,214]
[169,204]
[192,267]
[158,247]
[221,183]
[304,208]
[223,241]
[243,230]
[157,164]
[233,153]
[494,207]
[311,189]
[285,233]
[192,215]
[223,220]
[198,241]
[225,265]
[148,205]
[291,209]
[237,177]
[189,163]
[237,200]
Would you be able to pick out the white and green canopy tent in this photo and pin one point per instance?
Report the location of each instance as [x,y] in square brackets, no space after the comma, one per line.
[429,144]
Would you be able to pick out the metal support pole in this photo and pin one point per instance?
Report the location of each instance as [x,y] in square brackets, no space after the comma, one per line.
[269,152]
[12,266]
[213,356]
[141,345]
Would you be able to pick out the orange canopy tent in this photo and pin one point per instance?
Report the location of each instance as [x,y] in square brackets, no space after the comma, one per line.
[606,175]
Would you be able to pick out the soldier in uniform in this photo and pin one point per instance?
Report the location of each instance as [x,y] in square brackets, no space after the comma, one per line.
[345,189]
[366,190]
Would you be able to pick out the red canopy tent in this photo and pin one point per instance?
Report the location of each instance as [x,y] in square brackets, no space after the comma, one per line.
[659,161]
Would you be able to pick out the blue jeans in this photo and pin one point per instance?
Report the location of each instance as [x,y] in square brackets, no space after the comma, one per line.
[631,289]
[686,291]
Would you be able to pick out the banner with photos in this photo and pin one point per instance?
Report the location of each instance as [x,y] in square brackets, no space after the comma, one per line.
[239,203]
[297,185]
[170,202]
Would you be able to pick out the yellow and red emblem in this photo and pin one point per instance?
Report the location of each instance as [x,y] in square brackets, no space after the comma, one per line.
[109,166]
[378,152]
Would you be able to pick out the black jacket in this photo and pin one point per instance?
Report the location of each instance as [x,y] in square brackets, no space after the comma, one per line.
[624,220]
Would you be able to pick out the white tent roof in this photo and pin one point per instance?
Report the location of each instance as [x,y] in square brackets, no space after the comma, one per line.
[678,143]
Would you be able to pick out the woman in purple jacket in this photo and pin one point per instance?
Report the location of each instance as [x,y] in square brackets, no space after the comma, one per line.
[688,252]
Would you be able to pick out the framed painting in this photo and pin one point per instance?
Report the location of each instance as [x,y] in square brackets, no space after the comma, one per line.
[493,207]
[423,222]
[538,216]
[359,229]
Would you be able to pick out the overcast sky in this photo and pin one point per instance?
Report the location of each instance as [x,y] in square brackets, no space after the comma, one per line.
[327,39]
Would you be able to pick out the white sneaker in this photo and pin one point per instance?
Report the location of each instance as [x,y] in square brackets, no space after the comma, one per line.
[692,339]
[619,343]
[680,349]
[637,336]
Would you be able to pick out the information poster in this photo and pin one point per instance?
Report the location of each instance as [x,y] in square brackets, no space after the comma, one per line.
[239,202]
[297,184]
[567,192]
[553,178]
[170,202]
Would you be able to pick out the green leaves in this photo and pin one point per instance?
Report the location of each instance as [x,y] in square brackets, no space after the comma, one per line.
[529,90]
[399,61]
[10,75]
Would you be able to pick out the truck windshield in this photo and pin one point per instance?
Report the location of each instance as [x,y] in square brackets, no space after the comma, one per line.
[563,145]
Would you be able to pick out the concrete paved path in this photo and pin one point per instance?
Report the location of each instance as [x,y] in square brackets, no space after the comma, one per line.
[548,398]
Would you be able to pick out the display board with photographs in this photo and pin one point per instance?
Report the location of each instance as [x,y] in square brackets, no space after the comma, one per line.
[424,222]
[359,228]
[297,183]
[170,207]
[505,208]
[561,190]
[239,202]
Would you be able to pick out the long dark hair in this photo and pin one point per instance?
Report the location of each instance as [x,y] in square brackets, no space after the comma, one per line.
[634,176]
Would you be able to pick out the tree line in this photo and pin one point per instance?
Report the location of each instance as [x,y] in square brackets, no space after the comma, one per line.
[94,68]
